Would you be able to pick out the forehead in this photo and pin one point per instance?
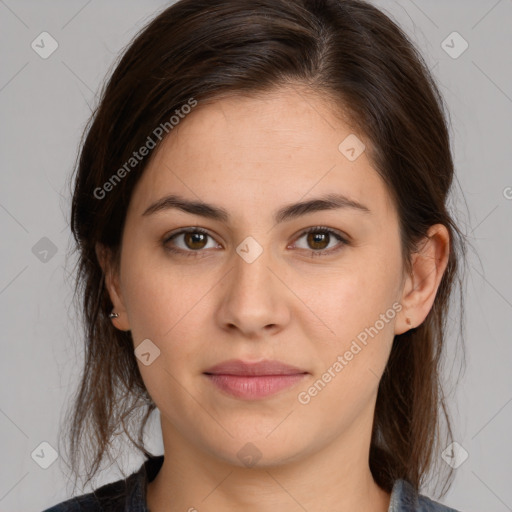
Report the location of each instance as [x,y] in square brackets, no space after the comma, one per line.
[283,145]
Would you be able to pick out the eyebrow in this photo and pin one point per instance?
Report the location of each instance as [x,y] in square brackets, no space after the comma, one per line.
[288,212]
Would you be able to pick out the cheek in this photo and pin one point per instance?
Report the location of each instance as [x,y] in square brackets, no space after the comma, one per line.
[164,305]
[350,361]
[348,299]
[353,351]
[149,303]
[158,296]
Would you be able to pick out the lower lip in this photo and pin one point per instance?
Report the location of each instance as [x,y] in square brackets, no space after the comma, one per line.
[254,387]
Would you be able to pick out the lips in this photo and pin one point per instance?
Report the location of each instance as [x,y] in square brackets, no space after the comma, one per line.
[254,381]
[241,368]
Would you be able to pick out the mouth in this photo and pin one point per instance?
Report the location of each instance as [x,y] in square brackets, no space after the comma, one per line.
[254,381]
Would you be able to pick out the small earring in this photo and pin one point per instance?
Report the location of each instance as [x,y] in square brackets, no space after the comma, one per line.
[113,315]
[408,320]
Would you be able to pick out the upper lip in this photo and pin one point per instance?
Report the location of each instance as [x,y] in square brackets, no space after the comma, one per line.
[267,367]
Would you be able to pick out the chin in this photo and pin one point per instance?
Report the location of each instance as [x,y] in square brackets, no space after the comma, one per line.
[252,449]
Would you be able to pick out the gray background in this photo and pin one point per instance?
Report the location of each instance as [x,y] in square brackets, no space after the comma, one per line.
[44,105]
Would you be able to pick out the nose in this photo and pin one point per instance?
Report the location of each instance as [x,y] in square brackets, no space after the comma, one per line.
[254,299]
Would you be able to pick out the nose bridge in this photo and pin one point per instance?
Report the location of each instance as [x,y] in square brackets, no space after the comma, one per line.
[251,276]
[252,299]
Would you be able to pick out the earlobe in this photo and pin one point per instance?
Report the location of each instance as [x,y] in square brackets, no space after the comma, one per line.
[118,314]
[404,322]
[428,265]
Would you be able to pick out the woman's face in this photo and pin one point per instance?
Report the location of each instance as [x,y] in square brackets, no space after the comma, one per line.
[254,286]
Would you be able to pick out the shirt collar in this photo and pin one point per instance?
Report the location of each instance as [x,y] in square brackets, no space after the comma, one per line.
[136,501]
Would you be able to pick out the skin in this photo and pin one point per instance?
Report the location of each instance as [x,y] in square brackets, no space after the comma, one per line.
[252,156]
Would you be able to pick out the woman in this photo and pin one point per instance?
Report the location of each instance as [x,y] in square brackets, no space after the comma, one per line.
[266,256]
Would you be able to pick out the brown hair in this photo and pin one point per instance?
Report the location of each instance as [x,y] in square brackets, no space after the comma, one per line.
[356,57]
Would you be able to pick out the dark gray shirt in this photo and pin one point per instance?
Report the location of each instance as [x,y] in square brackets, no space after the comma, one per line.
[129,495]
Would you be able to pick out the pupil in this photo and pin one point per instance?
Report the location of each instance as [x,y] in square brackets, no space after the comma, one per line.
[316,238]
[196,237]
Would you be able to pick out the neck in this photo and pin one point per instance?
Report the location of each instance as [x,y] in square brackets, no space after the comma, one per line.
[336,478]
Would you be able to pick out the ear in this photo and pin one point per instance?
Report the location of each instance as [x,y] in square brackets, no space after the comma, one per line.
[420,287]
[111,272]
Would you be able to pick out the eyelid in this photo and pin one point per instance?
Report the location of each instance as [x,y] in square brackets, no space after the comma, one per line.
[326,229]
[188,229]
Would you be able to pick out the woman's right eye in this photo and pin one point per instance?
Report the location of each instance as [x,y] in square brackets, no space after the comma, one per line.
[193,240]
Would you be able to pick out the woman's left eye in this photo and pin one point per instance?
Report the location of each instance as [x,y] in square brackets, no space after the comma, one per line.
[318,238]
[195,239]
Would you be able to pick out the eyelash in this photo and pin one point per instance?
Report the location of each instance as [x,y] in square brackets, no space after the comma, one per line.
[320,229]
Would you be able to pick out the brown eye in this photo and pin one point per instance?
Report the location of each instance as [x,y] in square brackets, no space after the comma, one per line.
[188,242]
[195,240]
[319,240]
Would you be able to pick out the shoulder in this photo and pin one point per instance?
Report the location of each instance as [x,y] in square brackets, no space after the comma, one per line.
[128,494]
[110,497]
[405,498]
